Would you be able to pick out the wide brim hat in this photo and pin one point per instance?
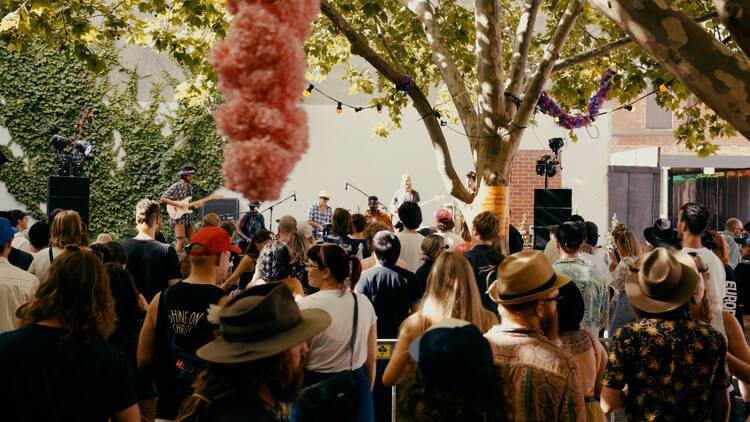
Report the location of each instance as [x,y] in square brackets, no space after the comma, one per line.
[523,277]
[187,171]
[662,234]
[662,280]
[260,322]
[324,194]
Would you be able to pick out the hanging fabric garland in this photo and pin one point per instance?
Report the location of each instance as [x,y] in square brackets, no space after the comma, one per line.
[261,70]
[568,121]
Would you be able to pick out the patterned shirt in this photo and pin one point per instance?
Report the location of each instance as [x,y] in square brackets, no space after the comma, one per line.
[541,379]
[380,216]
[314,213]
[177,192]
[670,368]
[595,297]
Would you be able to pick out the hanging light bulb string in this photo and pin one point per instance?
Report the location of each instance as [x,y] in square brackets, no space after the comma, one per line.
[545,104]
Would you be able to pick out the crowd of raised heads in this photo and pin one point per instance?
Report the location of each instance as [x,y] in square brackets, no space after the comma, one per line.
[321,318]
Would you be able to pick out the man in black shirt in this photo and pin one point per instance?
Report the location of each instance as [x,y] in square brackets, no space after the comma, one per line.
[154,265]
[393,292]
[177,322]
[483,257]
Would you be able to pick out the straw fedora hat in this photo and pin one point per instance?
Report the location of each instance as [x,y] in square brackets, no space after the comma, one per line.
[662,280]
[262,321]
[523,277]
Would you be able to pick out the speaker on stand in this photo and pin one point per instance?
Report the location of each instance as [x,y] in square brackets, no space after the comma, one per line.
[551,207]
[69,193]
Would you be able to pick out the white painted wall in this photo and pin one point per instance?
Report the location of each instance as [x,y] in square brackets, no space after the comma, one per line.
[344,147]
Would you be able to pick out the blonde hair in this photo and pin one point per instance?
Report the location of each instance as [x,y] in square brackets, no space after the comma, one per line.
[211,219]
[298,246]
[702,311]
[66,229]
[452,292]
[627,244]
[432,245]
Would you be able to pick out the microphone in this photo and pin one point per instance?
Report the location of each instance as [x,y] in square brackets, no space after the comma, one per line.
[295,196]
[347,185]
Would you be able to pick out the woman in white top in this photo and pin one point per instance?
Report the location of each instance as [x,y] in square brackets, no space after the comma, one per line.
[66,230]
[334,272]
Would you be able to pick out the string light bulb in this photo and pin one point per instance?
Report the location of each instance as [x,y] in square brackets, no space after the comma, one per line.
[380,109]
[338,108]
[308,90]
[356,110]
[593,121]
[557,119]
[628,107]
[663,88]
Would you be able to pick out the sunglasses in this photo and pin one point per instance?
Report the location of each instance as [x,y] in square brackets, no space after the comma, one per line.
[554,299]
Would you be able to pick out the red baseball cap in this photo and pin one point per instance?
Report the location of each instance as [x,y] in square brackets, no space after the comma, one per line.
[214,239]
[443,216]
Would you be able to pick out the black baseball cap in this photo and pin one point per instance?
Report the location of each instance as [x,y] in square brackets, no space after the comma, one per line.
[571,234]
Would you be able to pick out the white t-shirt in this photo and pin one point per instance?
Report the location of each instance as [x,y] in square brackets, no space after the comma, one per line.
[718,284]
[411,249]
[329,350]
[451,239]
[41,263]
[20,242]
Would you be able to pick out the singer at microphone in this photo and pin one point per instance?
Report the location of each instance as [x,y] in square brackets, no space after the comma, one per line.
[320,214]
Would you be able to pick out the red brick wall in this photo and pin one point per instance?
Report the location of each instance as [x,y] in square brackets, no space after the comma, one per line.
[523,181]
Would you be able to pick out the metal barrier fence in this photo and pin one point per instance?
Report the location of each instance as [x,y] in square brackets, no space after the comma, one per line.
[384,352]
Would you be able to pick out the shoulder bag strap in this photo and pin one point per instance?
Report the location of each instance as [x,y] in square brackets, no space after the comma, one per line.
[354,329]
[51,258]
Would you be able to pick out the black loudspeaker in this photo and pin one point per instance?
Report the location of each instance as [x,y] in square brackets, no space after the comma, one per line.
[552,206]
[226,209]
[69,193]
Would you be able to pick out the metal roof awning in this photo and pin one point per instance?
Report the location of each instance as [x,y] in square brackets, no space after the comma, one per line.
[693,161]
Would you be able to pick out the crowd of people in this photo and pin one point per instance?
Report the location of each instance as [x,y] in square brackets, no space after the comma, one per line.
[286,327]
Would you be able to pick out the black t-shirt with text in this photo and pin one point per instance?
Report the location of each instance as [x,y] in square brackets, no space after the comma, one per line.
[181,329]
[41,384]
[152,265]
[392,291]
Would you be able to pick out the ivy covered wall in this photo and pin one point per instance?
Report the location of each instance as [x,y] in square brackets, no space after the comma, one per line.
[137,149]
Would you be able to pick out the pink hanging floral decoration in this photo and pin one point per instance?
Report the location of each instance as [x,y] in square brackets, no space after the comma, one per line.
[261,70]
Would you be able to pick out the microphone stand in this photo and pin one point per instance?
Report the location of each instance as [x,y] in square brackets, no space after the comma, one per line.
[348,183]
[270,208]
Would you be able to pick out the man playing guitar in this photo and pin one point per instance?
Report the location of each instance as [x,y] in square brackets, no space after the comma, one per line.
[183,226]
[406,193]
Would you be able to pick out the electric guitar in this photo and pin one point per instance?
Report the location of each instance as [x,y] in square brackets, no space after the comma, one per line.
[185,205]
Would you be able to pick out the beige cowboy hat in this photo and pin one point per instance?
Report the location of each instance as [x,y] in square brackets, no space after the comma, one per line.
[662,280]
[262,321]
[523,277]
[324,194]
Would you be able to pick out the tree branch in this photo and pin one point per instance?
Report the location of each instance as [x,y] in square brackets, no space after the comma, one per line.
[387,48]
[524,34]
[534,86]
[605,49]
[707,67]
[443,59]
[361,47]
[735,14]
[489,51]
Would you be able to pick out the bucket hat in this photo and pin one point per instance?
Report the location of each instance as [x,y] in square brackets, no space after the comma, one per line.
[261,321]
[662,280]
[523,277]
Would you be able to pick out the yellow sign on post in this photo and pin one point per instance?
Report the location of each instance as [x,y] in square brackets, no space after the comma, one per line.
[495,199]
[384,351]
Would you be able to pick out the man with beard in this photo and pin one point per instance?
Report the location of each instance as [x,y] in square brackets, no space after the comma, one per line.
[541,379]
[256,364]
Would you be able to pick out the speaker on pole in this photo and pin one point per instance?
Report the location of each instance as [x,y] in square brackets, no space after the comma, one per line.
[69,193]
[551,207]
